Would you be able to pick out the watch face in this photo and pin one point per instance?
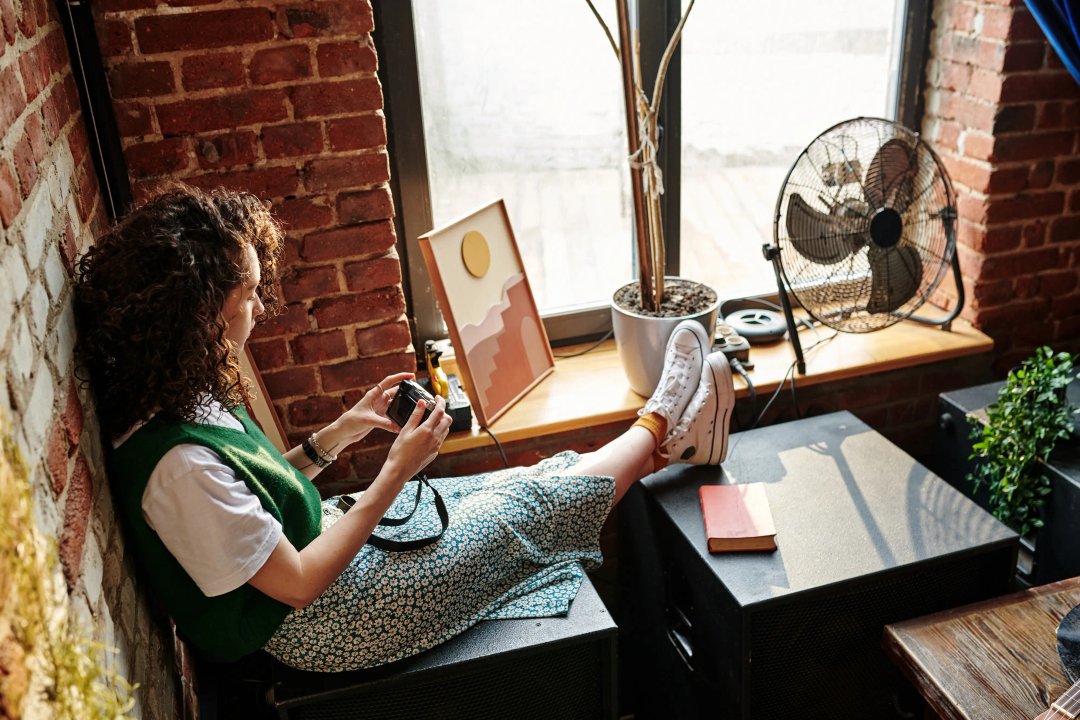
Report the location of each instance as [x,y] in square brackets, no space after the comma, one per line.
[1068,643]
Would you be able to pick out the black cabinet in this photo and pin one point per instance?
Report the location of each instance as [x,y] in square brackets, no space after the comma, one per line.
[1051,553]
[866,536]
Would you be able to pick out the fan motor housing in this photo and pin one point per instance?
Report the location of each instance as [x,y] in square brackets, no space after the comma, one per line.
[886,228]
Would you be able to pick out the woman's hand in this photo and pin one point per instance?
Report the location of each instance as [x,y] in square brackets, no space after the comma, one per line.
[418,443]
[370,411]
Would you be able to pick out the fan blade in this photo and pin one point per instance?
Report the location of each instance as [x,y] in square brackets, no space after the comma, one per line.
[821,237]
[895,274]
[890,179]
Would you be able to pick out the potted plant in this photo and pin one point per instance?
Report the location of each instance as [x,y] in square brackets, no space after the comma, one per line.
[1020,431]
[645,311]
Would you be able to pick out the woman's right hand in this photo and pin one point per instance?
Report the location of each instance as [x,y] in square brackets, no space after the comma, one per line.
[418,443]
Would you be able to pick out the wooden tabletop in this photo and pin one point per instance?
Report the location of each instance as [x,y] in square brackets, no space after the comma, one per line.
[591,390]
[995,659]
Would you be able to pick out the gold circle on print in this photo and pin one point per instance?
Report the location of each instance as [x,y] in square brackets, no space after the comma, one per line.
[475,253]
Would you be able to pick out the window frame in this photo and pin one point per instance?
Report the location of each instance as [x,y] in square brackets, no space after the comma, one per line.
[395,43]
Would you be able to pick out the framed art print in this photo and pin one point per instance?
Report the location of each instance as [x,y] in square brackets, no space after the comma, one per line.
[479,280]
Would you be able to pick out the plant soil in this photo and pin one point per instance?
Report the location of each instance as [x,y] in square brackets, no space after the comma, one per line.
[681,298]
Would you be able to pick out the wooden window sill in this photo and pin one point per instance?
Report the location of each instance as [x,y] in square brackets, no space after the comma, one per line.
[591,390]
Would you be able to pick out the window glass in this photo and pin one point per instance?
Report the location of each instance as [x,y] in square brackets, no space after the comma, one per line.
[760,81]
[523,101]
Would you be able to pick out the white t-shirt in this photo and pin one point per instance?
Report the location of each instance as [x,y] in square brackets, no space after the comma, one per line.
[208,519]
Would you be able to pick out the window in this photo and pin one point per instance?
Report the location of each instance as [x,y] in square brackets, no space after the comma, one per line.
[523,101]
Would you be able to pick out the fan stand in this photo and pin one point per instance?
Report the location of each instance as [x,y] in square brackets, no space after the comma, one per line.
[772,254]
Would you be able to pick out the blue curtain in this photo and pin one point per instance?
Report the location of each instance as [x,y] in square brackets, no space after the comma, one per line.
[1058,19]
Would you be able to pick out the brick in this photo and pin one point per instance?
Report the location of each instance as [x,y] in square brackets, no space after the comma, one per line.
[1026,87]
[87,198]
[133,119]
[1034,233]
[1056,284]
[1024,27]
[269,354]
[383,339]
[293,140]
[60,104]
[7,21]
[56,458]
[1032,146]
[115,38]
[311,412]
[1009,317]
[203,30]
[228,150]
[365,206]
[220,113]
[213,70]
[1052,116]
[1023,57]
[114,6]
[985,84]
[1026,262]
[291,382]
[994,22]
[1066,306]
[293,319]
[25,167]
[990,240]
[1026,287]
[141,79]
[325,19]
[14,98]
[1065,229]
[1068,172]
[346,172]
[35,69]
[349,241]
[10,197]
[319,348]
[992,293]
[311,282]
[357,133]
[1074,201]
[320,99]
[76,518]
[1014,119]
[73,416]
[1041,174]
[160,157]
[969,112]
[345,58]
[365,372]
[373,274]
[280,64]
[1025,206]
[381,304]
[303,213]
[266,182]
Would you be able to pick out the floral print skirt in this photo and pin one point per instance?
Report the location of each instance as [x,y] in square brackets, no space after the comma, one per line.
[514,548]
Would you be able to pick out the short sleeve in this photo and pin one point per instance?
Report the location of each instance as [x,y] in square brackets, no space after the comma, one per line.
[208,519]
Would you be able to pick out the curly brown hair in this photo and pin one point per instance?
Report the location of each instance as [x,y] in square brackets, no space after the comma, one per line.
[148,300]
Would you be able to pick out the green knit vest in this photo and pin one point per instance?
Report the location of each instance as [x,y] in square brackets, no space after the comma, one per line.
[224,627]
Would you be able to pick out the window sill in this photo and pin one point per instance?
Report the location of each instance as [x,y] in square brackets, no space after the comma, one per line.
[591,390]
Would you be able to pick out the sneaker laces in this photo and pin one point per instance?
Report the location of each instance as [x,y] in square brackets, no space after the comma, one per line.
[679,361]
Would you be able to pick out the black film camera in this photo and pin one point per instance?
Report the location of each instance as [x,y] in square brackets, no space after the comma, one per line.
[401,407]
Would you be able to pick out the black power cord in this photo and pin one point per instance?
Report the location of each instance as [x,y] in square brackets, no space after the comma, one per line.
[498,445]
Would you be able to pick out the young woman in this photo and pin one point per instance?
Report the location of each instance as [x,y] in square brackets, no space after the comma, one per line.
[233,537]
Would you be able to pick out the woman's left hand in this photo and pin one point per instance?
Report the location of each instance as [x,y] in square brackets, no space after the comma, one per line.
[370,411]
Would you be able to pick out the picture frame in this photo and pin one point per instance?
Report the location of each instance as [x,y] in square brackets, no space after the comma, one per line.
[501,346]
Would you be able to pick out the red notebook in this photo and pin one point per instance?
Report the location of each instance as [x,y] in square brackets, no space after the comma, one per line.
[737,517]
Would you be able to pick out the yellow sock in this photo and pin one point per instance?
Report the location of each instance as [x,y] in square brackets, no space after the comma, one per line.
[657,425]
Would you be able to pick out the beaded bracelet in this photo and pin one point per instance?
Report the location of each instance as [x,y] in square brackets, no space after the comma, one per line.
[312,455]
[319,449]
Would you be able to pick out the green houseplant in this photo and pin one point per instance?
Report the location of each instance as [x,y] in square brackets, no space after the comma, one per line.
[644,312]
[1020,431]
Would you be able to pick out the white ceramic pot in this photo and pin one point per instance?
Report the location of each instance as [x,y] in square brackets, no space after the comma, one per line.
[641,340]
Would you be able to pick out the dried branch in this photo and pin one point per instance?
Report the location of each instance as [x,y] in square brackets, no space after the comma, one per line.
[661,74]
[607,30]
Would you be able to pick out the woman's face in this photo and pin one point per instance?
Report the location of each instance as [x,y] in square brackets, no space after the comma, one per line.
[243,304]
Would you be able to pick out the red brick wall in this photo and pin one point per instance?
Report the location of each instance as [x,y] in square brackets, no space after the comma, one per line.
[1005,116]
[50,210]
[280,99]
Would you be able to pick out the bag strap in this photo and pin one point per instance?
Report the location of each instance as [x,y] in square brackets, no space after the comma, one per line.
[387,545]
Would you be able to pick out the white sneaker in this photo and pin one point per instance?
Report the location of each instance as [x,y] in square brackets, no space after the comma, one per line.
[701,435]
[687,347]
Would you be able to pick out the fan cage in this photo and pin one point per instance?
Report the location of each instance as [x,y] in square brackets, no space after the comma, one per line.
[844,179]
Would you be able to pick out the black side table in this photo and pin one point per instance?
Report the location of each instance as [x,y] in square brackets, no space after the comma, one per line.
[866,536]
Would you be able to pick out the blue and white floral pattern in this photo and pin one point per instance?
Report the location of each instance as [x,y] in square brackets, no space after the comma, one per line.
[515,547]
